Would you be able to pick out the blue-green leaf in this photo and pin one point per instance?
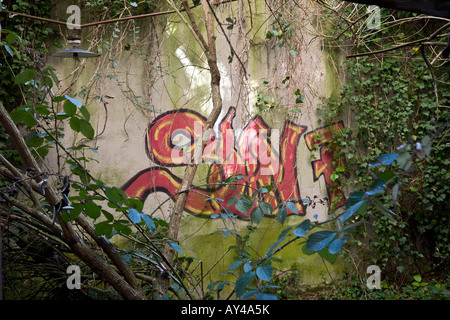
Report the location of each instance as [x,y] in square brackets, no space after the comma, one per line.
[303,228]
[352,210]
[234,265]
[386,159]
[282,214]
[257,215]
[148,222]
[243,205]
[265,296]
[336,245]
[291,206]
[264,272]
[243,282]
[176,247]
[134,216]
[76,102]
[377,187]
[319,240]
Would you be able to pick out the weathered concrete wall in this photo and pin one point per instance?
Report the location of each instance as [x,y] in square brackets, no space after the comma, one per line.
[137,82]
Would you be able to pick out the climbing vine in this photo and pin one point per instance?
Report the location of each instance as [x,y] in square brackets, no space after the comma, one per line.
[396,98]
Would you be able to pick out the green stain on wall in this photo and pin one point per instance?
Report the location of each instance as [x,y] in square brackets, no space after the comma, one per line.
[203,239]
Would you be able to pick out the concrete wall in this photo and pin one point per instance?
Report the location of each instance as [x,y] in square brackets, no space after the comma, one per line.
[133,89]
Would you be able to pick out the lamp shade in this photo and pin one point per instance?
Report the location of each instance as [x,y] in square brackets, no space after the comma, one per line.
[75,53]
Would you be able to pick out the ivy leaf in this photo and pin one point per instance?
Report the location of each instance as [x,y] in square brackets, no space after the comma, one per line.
[265,296]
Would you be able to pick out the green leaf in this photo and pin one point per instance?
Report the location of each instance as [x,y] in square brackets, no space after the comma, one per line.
[303,228]
[325,254]
[92,210]
[282,214]
[77,208]
[34,140]
[257,215]
[176,247]
[319,240]
[404,160]
[74,101]
[243,282]
[395,190]
[85,113]
[86,129]
[265,272]
[24,76]
[134,216]
[103,228]
[266,207]
[69,108]
[243,205]
[74,123]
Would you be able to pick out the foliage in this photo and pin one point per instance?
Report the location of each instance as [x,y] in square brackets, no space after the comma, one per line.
[398,126]
[394,98]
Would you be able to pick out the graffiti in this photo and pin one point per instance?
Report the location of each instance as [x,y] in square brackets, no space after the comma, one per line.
[259,155]
[324,166]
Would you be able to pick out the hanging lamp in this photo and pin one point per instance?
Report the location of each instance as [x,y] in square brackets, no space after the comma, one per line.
[74,53]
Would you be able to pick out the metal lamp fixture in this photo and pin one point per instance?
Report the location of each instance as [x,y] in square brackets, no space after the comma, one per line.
[75,41]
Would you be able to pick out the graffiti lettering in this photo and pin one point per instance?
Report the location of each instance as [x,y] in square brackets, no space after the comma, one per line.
[257,153]
[171,142]
[324,166]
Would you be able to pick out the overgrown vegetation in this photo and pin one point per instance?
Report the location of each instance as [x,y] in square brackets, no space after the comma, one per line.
[396,97]
[395,153]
